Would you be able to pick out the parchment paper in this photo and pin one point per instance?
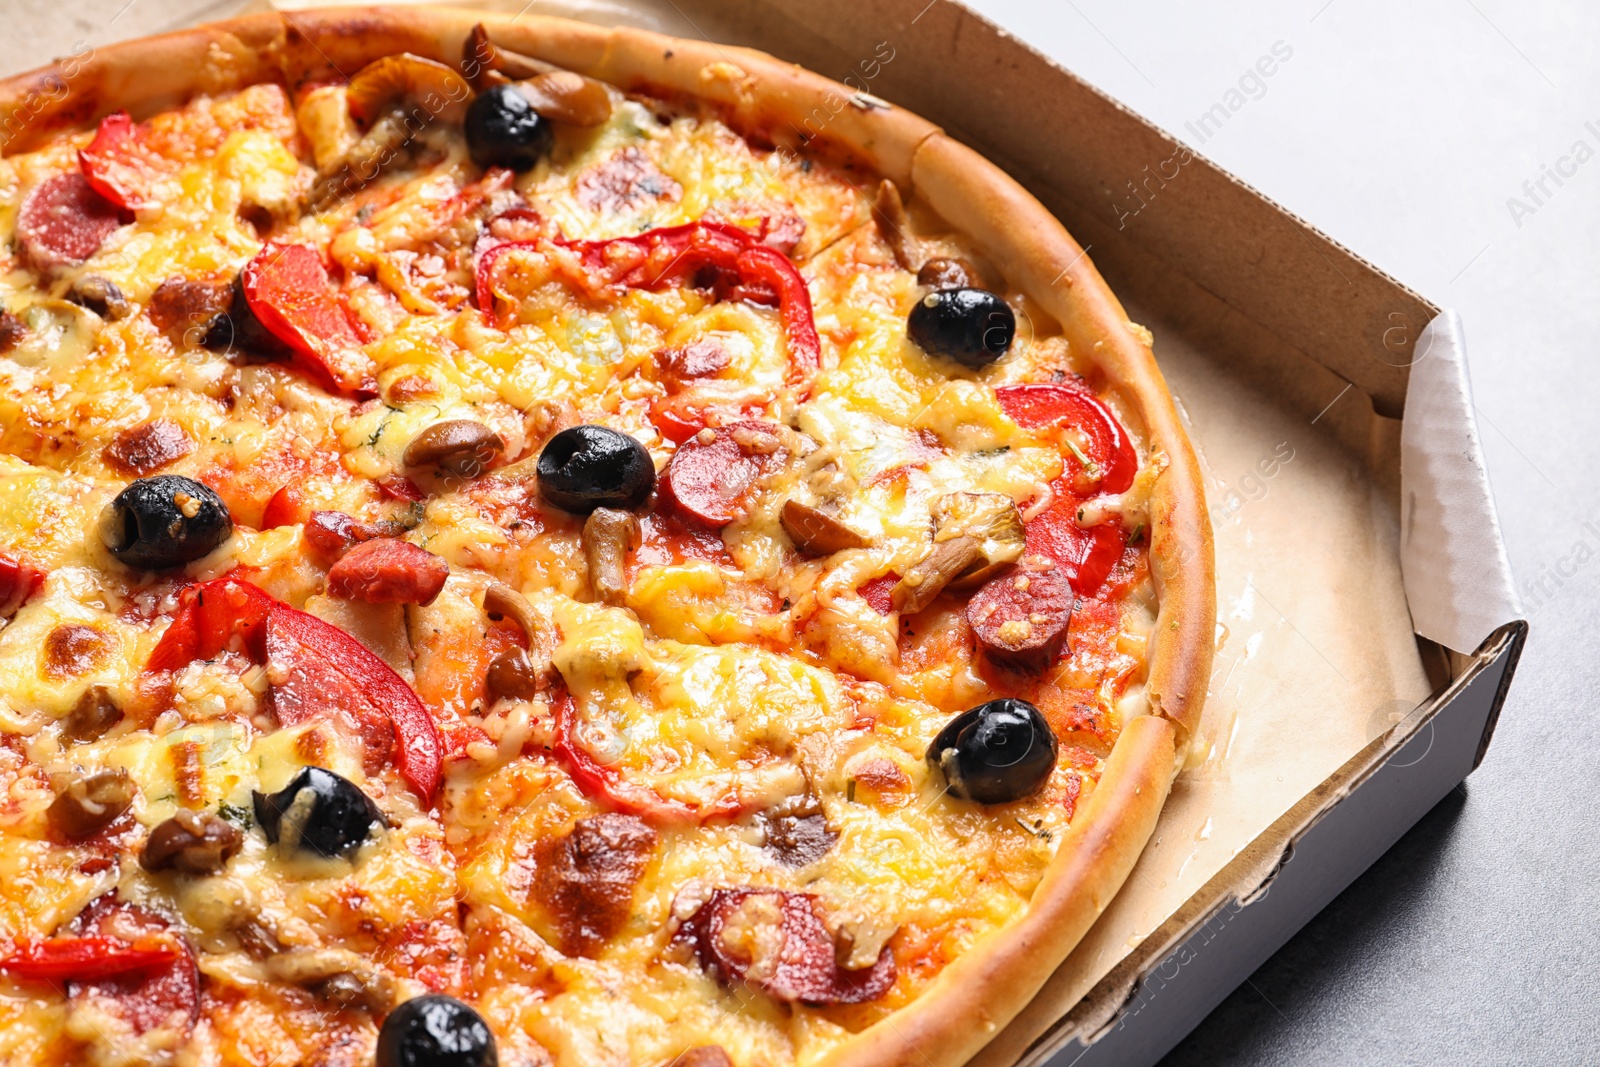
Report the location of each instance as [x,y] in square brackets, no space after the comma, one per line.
[1316,654]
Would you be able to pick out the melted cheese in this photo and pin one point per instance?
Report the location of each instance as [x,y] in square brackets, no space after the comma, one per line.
[755,674]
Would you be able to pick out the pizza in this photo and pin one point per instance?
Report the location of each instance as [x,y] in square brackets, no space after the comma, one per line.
[527,543]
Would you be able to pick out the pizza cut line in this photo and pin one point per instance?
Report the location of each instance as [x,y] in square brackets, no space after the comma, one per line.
[502,563]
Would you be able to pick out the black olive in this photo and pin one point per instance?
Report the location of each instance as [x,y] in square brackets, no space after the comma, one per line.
[503,130]
[164,521]
[974,327]
[588,467]
[996,752]
[236,329]
[435,1031]
[319,812]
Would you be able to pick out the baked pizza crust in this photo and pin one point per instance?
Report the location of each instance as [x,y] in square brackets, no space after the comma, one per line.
[769,100]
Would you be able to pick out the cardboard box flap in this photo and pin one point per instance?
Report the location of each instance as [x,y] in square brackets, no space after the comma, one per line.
[1124,171]
[1458,581]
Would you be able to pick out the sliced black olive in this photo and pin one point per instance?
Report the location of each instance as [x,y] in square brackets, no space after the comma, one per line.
[588,467]
[974,327]
[503,130]
[164,521]
[319,812]
[435,1031]
[996,752]
[237,329]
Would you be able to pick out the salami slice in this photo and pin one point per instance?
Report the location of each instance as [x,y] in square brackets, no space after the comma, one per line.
[63,221]
[163,997]
[387,570]
[776,940]
[1021,616]
[712,475]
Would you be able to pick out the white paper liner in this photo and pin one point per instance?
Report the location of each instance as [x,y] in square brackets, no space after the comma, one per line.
[1458,581]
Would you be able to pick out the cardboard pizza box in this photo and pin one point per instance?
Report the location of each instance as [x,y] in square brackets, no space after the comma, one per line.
[1368,626]
[1368,630]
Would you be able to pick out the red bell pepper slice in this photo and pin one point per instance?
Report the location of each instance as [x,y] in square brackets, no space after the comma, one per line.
[599,782]
[117,165]
[1087,553]
[1110,450]
[878,593]
[288,291]
[210,616]
[740,265]
[328,669]
[84,959]
[19,580]
[759,264]
[332,671]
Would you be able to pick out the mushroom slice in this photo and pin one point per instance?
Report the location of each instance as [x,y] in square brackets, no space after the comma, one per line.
[89,803]
[938,568]
[563,96]
[560,95]
[500,599]
[350,172]
[455,446]
[816,533]
[947,272]
[408,81]
[992,519]
[608,534]
[890,214]
[975,535]
[480,55]
[336,975]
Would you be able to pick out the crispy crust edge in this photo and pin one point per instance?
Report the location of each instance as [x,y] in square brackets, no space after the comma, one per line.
[975,996]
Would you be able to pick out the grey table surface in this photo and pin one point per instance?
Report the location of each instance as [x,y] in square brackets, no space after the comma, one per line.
[1424,136]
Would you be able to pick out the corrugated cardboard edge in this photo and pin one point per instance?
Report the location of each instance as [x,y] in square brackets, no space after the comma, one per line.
[1249,877]
[1457,577]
